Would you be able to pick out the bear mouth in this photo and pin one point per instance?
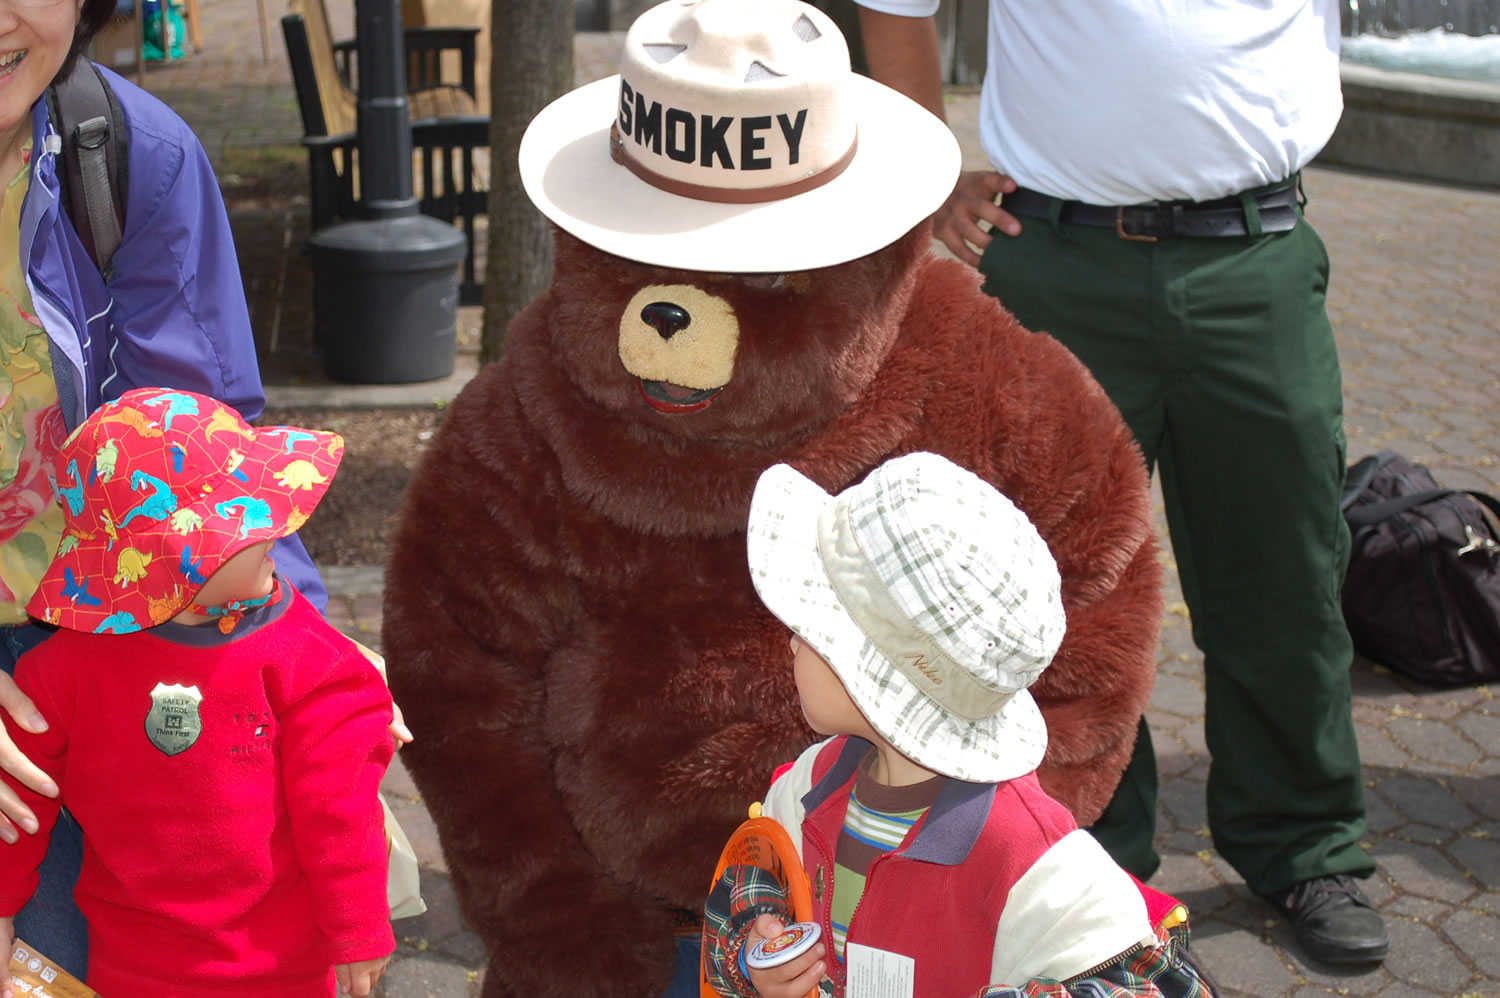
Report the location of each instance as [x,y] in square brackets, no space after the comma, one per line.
[663,396]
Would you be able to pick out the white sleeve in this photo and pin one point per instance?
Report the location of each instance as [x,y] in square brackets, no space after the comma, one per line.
[784,799]
[902,8]
[1073,910]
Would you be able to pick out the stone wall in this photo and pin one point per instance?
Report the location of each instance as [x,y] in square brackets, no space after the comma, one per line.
[1418,126]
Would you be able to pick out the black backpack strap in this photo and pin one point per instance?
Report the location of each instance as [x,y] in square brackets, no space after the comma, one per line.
[95,159]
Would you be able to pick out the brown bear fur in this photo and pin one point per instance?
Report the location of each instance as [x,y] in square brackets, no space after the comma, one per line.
[596,691]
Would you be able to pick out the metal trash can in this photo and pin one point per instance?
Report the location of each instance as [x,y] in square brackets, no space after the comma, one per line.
[385,298]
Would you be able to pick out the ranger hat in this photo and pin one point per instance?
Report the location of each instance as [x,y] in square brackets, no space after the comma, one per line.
[736,139]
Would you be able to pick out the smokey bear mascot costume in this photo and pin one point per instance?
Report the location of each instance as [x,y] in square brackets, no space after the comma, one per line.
[743,277]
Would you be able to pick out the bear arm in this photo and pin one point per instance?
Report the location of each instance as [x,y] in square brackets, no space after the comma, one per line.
[1025,414]
[1083,481]
[479,607]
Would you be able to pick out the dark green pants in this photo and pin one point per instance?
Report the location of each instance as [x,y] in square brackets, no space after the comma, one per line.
[1220,356]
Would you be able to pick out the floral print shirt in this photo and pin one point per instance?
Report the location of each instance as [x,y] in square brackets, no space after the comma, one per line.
[31,422]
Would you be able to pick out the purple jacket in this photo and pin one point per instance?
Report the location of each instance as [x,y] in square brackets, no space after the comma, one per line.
[174,313]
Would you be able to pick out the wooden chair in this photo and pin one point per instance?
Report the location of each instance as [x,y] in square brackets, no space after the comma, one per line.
[450,139]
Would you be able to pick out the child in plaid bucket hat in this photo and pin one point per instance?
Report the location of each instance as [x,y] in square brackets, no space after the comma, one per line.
[248,856]
[922,604]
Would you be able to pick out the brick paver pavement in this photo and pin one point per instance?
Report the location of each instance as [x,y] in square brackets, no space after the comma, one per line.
[228,92]
[1413,301]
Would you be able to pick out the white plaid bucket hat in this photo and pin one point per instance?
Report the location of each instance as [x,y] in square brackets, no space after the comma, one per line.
[931,596]
[736,139]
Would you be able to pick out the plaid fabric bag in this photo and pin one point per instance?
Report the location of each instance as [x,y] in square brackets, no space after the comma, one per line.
[1422,594]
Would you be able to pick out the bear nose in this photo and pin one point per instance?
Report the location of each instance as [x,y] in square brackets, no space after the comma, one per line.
[665,318]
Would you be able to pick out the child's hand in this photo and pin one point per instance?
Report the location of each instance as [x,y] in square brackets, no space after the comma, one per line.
[7,937]
[355,979]
[399,731]
[792,979]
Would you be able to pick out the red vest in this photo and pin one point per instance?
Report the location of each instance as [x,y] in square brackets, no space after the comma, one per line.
[938,896]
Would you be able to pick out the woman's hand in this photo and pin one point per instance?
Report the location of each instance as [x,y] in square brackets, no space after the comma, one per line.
[23,713]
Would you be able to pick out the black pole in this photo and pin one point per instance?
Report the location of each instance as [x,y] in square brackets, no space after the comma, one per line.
[385,286]
[384,122]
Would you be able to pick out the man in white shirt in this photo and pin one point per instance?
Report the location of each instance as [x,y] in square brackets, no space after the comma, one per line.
[1147,159]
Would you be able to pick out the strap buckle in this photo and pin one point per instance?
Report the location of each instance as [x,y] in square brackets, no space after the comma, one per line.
[1134,237]
[1477,542]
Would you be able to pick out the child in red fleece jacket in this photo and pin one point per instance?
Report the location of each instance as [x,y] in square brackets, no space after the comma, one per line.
[219,743]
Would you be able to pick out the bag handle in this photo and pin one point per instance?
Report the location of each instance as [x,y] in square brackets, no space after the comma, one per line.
[1376,512]
[1360,474]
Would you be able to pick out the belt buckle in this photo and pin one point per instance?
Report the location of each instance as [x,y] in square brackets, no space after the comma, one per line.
[1134,237]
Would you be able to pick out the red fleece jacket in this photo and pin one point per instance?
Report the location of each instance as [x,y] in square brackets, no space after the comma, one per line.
[248,862]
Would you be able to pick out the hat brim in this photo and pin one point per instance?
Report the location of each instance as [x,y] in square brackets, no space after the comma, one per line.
[227,523]
[905,166]
[788,574]
[266,458]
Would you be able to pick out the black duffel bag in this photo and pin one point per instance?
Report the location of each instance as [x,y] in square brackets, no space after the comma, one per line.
[1422,594]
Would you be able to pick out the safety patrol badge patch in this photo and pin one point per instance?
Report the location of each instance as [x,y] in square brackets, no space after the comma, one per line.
[173,723]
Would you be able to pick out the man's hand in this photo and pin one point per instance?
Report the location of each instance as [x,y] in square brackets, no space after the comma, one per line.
[956,223]
[356,979]
[902,53]
[792,979]
[8,937]
[24,713]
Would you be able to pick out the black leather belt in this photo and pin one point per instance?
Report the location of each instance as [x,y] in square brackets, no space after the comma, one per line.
[1169,219]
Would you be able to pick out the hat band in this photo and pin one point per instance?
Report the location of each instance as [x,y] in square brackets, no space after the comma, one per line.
[727,195]
[906,646]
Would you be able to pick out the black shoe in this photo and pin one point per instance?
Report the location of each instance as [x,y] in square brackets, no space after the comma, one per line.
[1334,921]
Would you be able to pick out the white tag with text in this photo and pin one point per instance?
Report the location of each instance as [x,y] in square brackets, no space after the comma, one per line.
[878,973]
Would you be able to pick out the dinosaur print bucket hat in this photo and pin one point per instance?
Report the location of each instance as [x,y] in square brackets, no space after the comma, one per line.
[161,487]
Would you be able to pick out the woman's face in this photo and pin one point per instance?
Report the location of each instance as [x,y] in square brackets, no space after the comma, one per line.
[35,36]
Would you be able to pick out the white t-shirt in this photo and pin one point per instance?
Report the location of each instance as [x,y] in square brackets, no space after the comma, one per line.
[1141,100]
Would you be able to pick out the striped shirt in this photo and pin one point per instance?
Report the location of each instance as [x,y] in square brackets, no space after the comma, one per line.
[875,822]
